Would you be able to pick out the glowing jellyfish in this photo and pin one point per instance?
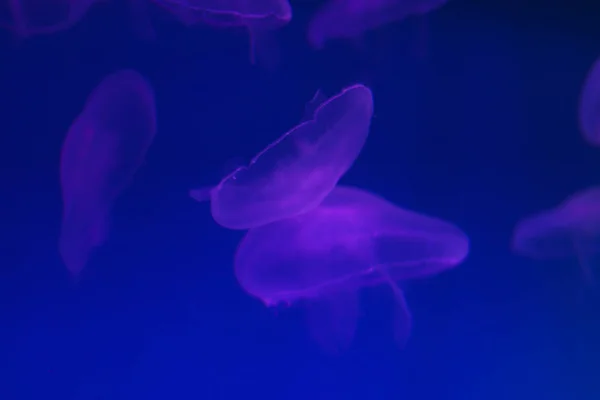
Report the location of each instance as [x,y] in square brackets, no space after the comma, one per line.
[352,240]
[260,17]
[296,172]
[104,147]
[33,17]
[570,230]
[589,106]
[346,19]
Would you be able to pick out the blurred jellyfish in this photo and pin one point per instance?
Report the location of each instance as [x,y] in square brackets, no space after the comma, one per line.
[347,19]
[296,172]
[352,240]
[33,17]
[589,106]
[104,147]
[260,17]
[570,230]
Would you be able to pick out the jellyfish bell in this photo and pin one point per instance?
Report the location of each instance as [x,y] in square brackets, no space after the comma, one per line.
[102,150]
[350,19]
[38,17]
[570,230]
[260,17]
[351,241]
[297,171]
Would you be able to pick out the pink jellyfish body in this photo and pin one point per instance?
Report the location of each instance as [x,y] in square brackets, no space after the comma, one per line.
[33,17]
[570,230]
[296,172]
[346,19]
[589,106]
[260,17]
[104,147]
[352,240]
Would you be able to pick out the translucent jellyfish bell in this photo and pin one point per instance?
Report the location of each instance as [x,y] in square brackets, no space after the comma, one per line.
[352,240]
[260,17]
[33,17]
[339,19]
[296,172]
[103,148]
[589,106]
[570,230]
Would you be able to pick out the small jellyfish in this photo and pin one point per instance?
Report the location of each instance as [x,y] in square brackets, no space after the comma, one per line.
[348,19]
[33,17]
[103,148]
[352,240]
[589,106]
[296,172]
[570,230]
[259,17]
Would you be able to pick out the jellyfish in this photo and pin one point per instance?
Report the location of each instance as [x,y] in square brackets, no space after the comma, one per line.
[33,17]
[296,172]
[103,148]
[339,19]
[352,240]
[589,106]
[259,17]
[570,230]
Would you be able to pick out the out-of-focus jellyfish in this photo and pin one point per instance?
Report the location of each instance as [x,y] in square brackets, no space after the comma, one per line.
[260,17]
[33,17]
[570,230]
[297,171]
[352,240]
[348,19]
[589,106]
[104,147]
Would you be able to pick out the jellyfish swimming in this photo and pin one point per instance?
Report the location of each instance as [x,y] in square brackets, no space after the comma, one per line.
[297,171]
[103,148]
[259,17]
[352,240]
[570,230]
[35,17]
[589,106]
[346,19]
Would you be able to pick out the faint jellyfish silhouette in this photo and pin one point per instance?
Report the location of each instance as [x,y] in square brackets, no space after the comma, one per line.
[103,148]
[589,106]
[34,17]
[297,171]
[352,240]
[348,19]
[259,17]
[570,230]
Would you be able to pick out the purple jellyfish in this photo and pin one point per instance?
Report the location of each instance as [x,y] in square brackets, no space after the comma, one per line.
[260,17]
[33,17]
[104,147]
[589,106]
[570,230]
[349,19]
[296,172]
[352,240]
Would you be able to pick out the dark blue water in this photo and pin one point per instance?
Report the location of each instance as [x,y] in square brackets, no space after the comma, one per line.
[481,132]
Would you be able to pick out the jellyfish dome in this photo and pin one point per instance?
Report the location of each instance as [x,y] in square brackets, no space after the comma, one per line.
[352,240]
[296,172]
[570,230]
[34,17]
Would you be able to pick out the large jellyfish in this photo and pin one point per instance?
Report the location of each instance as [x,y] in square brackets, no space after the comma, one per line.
[589,106]
[339,19]
[104,147]
[570,230]
[33,17]
[260,17]
[296,172]
[352,240]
